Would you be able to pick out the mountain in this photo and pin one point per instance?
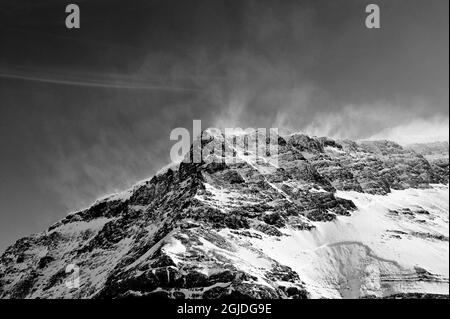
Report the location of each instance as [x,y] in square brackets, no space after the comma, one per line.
[334,219]
[436,153]
[436,148]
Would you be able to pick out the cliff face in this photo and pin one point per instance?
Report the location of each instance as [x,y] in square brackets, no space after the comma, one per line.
[335,219]
[435,153]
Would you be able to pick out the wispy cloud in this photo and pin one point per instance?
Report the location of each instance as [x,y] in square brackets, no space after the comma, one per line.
[86,82]
[434,129]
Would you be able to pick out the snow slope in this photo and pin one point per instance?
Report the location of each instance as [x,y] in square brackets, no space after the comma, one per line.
[355,256]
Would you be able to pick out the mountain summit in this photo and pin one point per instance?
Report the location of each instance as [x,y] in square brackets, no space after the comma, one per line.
[334,219]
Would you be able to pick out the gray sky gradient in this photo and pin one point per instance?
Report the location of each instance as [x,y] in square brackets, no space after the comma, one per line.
[87,112]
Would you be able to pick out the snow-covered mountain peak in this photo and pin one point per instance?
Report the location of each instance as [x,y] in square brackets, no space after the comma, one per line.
[335,219]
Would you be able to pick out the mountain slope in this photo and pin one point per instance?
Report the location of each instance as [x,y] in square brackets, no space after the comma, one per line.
[336,219]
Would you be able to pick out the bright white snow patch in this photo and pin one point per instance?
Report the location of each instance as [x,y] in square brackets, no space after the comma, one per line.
[355,256]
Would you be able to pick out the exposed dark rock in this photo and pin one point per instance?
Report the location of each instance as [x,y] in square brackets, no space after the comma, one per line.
[44,261]
[268,230]
[233,177]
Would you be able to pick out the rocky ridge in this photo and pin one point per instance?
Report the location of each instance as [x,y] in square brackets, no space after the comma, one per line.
[202,230]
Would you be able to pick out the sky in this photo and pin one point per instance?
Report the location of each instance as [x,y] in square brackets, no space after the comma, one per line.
[87,112]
